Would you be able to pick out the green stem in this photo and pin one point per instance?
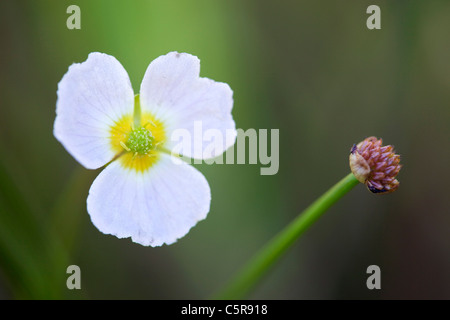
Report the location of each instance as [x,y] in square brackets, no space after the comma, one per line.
[259,264]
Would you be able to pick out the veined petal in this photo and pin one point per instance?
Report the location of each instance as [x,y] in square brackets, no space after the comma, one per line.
[92,97]
[173,91]
[153,207]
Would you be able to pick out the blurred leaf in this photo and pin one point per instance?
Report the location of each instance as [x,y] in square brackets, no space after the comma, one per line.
[70,206]
[31,256]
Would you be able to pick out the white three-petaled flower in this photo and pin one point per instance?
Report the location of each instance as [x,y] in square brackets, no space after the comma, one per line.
[143,193]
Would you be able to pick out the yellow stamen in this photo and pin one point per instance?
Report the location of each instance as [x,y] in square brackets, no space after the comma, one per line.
[124,146]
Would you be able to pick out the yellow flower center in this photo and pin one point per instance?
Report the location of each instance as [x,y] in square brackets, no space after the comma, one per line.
[137,145]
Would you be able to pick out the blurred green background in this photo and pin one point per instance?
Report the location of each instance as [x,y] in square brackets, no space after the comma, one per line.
[309,68]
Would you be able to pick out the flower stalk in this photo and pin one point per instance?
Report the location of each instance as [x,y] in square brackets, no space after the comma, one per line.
[258,266]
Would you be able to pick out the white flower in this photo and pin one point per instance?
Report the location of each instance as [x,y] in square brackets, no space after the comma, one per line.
[143,193]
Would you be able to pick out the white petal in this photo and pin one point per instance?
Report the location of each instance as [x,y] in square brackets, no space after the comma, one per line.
[91,96]
[155,207]
[173,92]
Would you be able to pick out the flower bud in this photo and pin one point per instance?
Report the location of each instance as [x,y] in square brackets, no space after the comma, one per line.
[375,165]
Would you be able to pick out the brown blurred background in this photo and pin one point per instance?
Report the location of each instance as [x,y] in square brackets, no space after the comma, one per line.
[309,68]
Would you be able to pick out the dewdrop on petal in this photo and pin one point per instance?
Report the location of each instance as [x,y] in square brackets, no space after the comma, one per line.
[375,165]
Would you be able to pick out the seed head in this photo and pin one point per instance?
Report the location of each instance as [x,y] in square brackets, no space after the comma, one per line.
[375,166]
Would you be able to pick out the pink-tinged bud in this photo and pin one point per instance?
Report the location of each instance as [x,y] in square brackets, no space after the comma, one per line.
[375,165]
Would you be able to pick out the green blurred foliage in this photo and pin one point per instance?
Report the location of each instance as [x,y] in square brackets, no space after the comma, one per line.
[309,68]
